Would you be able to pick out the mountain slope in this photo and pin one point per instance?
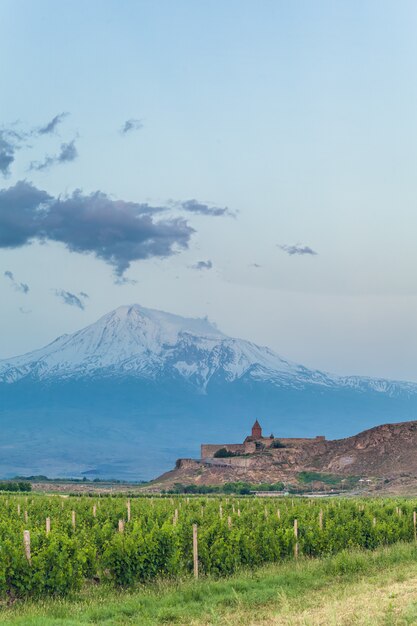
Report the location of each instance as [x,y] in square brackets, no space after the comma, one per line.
[151,345]
[128,394]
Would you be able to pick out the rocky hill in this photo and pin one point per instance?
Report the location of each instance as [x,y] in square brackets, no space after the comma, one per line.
[382,455]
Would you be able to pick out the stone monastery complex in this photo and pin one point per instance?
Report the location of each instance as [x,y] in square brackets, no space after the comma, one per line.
[255,442]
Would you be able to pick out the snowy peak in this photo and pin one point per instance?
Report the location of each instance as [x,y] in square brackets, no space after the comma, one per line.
[155,328]
[153,345]
[136,341]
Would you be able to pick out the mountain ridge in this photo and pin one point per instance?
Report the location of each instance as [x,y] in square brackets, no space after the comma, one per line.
[136,341]
[127,395]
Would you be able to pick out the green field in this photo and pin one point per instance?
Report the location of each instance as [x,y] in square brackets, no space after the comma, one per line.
[377,588]
[133,559]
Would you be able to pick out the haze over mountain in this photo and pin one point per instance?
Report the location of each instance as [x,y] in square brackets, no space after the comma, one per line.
[127,395]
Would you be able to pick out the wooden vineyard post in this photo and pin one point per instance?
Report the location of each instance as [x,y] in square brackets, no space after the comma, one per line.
[26,517]
[321,519]
[18,509]
[128,510]
[296,538]
[26,542]
[195,550]
[415,525]
[229,521]
[221,511]
[121,526]
[278,514]
[266,512]
[73,519]
[238,512]
[374,522]
[94,511]
[175,520]
[48,525]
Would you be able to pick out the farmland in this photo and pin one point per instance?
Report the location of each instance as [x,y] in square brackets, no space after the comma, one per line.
[55,546]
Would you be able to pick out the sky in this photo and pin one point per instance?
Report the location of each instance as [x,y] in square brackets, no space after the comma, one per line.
[252,161]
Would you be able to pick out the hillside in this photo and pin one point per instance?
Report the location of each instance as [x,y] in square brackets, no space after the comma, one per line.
[384,453]
[127,395]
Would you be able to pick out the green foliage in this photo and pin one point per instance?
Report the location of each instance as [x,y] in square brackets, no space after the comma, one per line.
[277,444]
[223,453]
[239,488]
[15,486]
[233,532]
[328,479]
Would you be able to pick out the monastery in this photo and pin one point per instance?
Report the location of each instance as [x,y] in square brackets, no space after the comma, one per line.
[255,442]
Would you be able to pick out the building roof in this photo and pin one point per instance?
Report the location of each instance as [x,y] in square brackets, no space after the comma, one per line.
[256,424]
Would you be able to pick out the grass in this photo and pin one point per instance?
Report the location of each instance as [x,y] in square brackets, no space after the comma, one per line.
[367,588]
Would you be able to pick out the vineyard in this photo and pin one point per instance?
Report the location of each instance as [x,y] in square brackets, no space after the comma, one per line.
[53,545]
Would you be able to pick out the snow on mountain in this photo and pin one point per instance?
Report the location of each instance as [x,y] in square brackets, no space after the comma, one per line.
[154,345]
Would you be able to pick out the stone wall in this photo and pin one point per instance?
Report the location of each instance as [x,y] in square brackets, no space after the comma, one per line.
[187,464]
[208,450]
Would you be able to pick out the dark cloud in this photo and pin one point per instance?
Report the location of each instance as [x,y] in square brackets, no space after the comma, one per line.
[255,265]
[298,249]
[115,231]
[130,125]
[22,287]
[12,140]
[21,214]
[193,206]
[7,152]
[203,265]
[51,126]
[67,153]
[71,299]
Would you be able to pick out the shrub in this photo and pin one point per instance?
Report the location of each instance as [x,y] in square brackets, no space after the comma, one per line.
[223,453]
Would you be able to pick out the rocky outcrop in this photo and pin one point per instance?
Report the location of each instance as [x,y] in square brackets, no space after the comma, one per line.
[385,452]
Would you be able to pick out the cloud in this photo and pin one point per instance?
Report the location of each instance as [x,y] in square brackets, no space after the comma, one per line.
[130,125]
[193,206]
[7,152]
[114,231]
[25,311]
[255,265]
[71,298]
[298,249]
[12,140]
[51,126]
[22,287]
[202,265]
[67,153]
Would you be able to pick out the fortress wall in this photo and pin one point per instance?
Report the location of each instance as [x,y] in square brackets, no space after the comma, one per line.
[232,461]
[187,464]
[209,449]
[297,441]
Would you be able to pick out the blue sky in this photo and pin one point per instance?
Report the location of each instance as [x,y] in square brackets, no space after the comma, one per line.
[299,117]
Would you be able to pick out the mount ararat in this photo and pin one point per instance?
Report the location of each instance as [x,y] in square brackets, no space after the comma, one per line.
[127,395]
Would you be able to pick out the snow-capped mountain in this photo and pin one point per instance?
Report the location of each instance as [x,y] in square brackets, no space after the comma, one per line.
[127,395]
[153,345]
